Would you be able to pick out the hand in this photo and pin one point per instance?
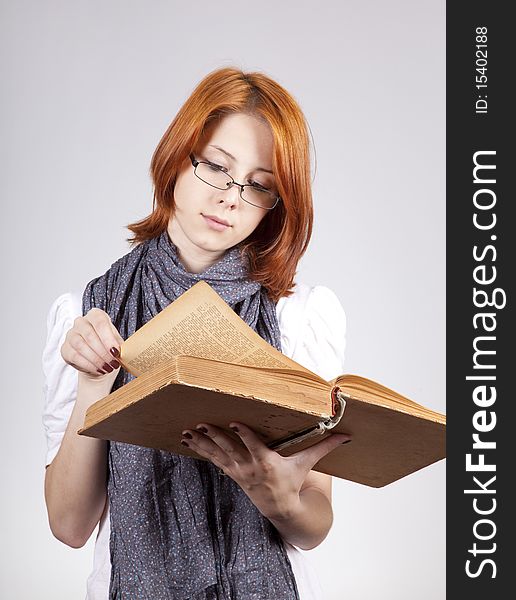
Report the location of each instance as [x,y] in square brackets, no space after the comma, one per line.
[272,482]
[92,345]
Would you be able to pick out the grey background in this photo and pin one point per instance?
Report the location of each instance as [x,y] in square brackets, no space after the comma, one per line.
[88,90]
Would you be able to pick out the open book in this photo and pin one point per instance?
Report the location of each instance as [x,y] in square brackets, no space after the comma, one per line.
[198,361]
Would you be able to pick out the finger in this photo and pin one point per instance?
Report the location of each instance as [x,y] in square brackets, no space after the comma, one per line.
[231,447]
[250,440]
[76,359]
[84,366]
[84,347]
[311,456]
[206,448]
[94,339]
[106,333]
[81,364]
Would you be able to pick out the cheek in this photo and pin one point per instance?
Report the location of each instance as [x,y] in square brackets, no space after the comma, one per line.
[251,222]
[186,193]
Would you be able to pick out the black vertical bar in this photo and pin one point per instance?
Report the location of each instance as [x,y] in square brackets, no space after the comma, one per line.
[480,515]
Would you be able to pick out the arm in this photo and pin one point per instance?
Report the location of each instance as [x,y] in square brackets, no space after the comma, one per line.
[307,523]
[75,481]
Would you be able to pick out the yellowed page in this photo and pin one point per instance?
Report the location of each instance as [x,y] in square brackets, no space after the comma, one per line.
[372,391]
[199,323]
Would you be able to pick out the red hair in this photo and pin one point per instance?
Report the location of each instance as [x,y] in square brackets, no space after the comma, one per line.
[277,244]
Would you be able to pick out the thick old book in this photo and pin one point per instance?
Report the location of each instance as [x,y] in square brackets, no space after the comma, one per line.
[198,361]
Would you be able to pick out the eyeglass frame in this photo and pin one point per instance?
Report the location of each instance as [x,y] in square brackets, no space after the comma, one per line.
[196,162]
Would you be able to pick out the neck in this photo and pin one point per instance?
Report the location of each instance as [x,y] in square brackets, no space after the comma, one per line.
[194,260]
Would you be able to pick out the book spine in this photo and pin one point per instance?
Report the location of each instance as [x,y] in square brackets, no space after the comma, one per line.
[338,407]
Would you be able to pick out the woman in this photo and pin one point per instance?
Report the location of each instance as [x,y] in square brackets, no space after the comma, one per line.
[232,207]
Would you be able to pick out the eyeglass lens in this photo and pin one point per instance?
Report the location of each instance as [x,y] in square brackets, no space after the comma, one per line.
[217,178]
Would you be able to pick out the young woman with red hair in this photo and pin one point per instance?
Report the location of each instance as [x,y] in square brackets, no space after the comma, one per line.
[233,207]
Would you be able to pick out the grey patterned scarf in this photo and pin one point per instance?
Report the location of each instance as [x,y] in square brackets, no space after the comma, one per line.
[179,529]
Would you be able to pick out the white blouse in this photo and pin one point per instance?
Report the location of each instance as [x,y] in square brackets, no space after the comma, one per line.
[312,323]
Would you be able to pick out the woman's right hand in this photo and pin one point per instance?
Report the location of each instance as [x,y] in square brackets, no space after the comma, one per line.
[92,345]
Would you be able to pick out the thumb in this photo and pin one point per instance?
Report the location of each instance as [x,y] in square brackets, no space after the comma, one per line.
[311,456]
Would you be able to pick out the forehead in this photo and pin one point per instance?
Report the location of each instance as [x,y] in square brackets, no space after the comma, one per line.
[246,138]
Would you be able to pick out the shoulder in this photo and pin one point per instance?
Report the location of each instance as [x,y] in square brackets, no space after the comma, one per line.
[65,307]
[318,305]
[61,315]
[314,297]
[312,322]
[101,291]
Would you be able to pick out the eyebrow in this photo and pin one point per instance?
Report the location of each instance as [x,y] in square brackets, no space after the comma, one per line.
[233,158]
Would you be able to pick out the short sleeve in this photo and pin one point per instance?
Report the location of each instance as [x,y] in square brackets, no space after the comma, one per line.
[313,327]
[60,379]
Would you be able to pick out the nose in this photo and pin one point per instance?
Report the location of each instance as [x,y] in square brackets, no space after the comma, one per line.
[231,196]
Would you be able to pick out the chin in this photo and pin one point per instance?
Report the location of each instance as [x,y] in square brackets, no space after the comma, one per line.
[212,245]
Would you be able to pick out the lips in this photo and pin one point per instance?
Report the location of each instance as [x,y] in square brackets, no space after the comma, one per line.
[217,220]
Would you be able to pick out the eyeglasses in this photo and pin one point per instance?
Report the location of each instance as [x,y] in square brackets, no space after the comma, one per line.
[252,193]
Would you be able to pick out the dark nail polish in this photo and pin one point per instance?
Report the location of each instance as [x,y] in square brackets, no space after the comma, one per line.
[107,368]
[346,442]
[202,429]
[184,443]
[115,352]
[234,428]
[115,364]
[187,435]
[100,372]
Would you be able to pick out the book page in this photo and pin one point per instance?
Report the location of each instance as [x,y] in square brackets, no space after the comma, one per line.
[372,391]
[200,323]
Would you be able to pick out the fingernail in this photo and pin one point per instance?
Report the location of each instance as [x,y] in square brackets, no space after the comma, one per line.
[184,443]
[202,429]
[187,435]
[234,428]
[115,364]
[107,368]
[115,352]
[346,442]
[100,372]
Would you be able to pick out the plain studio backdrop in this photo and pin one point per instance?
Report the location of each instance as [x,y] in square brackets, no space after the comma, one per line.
[88,90]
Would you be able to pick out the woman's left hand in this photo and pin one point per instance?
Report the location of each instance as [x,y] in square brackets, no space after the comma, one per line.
[272,482]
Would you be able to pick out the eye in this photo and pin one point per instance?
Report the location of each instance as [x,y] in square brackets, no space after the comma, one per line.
[215,167]
[258,186]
